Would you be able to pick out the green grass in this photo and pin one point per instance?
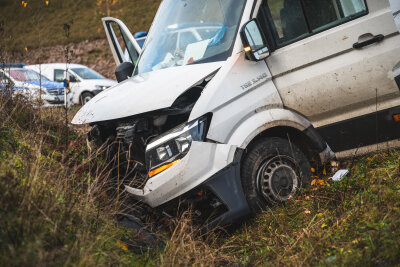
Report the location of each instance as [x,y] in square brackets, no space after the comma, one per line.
[40,25]
[354,222]
[54,210]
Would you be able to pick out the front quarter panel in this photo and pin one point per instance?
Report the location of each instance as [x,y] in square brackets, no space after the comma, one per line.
[239,89]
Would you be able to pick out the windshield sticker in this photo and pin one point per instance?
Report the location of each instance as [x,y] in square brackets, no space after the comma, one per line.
[195,51]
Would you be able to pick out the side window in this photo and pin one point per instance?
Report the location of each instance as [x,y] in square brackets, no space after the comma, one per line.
[129,52]
[59,75]
[292,20]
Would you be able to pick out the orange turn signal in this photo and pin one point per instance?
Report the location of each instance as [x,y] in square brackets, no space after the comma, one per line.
[247,49]
[396,118]
[162,168]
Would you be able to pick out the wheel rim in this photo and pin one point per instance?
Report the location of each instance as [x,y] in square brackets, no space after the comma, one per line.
[86,99]
[278,179]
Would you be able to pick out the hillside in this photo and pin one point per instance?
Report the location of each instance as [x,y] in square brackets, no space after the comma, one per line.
[35,33]
[39,25]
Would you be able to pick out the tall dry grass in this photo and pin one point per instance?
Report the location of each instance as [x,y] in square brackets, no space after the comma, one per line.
[53,206]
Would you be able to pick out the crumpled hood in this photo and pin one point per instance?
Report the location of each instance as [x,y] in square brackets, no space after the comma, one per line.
[143,93]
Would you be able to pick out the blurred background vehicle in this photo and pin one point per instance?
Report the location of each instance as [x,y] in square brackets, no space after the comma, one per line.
[85,83]
[16,79]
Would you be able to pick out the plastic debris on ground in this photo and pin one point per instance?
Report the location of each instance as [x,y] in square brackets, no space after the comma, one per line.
[339,175]
[142,240]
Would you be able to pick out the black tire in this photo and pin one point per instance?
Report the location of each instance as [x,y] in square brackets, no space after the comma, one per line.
[272,171]
[86,97]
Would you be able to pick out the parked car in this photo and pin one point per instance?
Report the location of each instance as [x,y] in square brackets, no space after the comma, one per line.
[85,83]
[233,121]
[16,79]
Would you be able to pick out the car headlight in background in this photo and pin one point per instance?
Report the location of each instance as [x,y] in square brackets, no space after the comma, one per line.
[101,87]
[169,148]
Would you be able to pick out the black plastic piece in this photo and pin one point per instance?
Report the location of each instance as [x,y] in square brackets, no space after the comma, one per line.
[316,139]
[144,241]
[376,39]
[369,129]
[397,79]
[227,185]
[124,71]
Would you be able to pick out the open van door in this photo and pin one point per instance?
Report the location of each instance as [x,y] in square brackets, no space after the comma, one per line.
[123,45]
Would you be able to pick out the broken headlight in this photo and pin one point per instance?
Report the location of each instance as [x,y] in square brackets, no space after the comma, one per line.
[172,146]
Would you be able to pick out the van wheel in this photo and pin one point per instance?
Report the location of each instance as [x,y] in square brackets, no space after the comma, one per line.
[86,97]
[272,171]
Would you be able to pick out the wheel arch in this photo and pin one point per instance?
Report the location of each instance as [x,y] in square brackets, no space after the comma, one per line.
[287,125]
[83,92]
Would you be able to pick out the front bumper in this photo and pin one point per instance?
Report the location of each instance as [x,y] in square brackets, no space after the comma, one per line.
[202,162]
[53,99]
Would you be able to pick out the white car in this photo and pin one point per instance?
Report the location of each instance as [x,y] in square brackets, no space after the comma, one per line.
[233,121]
[85,83]
[30,84]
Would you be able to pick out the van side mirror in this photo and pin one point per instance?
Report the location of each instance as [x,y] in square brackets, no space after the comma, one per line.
[254,42]
[124,71]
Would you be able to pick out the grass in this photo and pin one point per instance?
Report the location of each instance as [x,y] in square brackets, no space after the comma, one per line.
[40,25]
[53,210]
[354,222]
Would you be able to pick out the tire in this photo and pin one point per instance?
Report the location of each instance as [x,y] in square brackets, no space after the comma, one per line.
[86,97]
[272,171]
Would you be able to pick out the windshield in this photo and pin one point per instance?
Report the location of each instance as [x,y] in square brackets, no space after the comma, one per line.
[87,74]
[190,31]
[25,75]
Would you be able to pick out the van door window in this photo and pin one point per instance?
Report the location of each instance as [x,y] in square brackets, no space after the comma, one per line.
[292,20]
[129,52]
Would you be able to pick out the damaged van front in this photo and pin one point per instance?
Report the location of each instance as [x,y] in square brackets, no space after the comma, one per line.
[210,111]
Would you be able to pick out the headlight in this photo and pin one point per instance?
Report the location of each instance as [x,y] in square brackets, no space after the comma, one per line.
[101,87]
[172,146]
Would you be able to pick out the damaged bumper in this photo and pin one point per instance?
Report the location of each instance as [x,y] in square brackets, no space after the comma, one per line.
[208,166]
[202,161]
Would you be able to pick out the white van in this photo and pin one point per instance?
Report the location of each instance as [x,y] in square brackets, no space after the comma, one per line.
[260,91]
[85,83]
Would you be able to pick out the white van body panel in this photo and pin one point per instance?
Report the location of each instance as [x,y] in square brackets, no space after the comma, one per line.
[332,84]
[234,94]
[264,119]
[186,174]
[163,86]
